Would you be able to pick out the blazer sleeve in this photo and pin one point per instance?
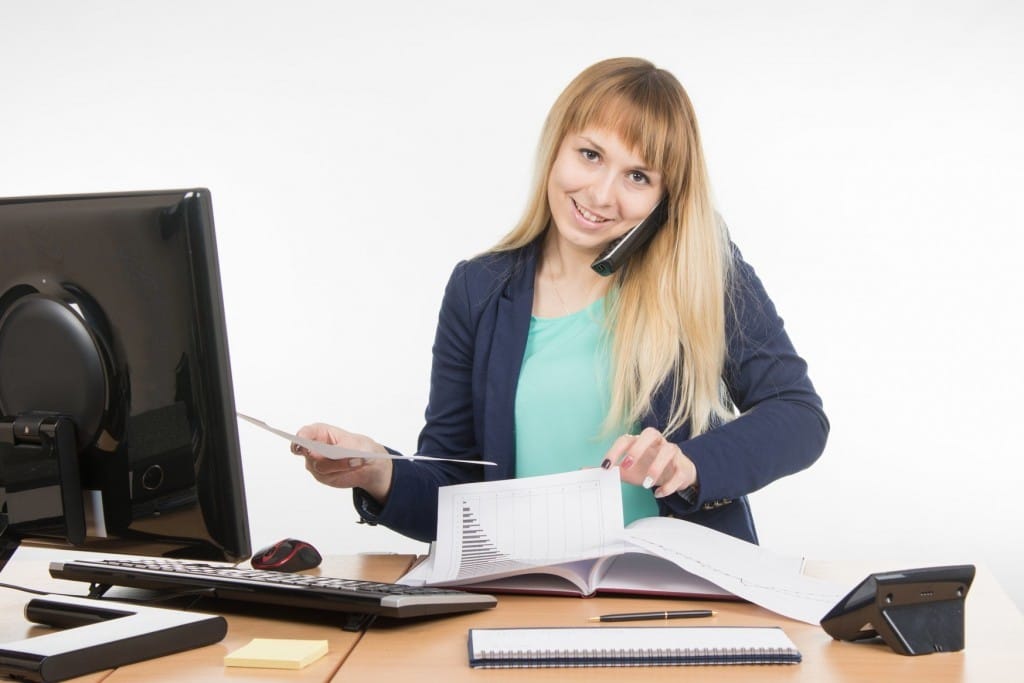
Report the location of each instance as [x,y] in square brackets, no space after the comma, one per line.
[411,508]
[781,427]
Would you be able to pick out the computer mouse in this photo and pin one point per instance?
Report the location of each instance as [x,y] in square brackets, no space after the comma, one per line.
[288,555]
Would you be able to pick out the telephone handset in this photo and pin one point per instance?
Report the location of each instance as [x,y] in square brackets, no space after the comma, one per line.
[612,258]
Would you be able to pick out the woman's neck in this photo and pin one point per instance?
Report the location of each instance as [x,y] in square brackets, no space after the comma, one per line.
[565,281]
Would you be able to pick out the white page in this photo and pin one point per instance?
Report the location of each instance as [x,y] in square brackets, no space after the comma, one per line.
[642,573]
[496,527]
[493,529]
[339,452]
[772,581]
[421,573]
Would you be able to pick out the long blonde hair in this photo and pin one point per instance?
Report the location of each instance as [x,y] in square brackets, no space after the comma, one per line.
[667,318]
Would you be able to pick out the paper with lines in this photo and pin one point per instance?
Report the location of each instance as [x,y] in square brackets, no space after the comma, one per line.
[573,522]
[499,526]
[772,581]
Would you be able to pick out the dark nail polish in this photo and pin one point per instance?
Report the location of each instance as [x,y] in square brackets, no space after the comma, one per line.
[606,464]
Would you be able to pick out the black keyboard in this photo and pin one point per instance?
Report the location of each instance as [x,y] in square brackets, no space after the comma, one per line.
[279,588]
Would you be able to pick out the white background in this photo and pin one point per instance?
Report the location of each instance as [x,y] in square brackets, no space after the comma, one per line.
[866,155]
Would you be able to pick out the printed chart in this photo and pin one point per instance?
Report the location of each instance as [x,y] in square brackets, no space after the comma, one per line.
[547,520]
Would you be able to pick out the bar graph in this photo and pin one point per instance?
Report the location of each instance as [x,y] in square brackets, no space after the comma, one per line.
[504,526]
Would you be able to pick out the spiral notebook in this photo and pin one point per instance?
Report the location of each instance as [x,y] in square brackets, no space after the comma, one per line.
[515,648]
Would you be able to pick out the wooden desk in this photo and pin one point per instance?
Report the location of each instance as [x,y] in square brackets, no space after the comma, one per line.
[435,649]
[29,568]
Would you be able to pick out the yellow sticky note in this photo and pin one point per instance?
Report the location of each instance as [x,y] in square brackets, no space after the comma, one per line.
[275,653]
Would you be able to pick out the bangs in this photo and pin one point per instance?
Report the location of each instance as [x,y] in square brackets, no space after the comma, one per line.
[643,117]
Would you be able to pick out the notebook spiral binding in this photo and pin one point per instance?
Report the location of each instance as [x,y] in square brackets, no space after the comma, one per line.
[526,659]
[529,648]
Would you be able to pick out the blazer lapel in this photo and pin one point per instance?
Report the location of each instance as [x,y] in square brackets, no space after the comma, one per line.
[511,328]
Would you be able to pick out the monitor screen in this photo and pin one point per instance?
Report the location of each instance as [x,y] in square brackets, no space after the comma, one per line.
[117,421]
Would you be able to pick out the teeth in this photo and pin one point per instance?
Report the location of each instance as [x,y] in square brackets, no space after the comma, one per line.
[593,218]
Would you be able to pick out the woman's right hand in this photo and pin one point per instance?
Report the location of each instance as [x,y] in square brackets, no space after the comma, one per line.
[371,475]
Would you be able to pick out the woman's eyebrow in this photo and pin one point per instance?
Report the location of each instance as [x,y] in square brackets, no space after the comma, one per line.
[598,148]
[593,143]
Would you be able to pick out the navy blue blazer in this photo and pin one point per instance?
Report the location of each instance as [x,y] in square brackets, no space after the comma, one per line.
[477,355]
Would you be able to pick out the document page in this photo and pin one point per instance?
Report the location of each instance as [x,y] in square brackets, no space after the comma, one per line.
[487,529]
[749,571]
[634,572]
[335,452]
[497,529]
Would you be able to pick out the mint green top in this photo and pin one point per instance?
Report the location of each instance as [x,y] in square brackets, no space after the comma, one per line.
[562,399]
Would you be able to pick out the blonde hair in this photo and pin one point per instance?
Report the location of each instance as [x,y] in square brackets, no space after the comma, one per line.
[667,317]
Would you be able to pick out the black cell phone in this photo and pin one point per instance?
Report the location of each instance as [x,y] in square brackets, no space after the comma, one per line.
[619,251]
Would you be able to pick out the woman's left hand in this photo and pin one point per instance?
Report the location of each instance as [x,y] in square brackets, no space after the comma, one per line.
[650,460]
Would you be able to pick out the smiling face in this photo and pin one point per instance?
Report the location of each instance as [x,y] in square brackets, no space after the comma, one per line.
[598,189]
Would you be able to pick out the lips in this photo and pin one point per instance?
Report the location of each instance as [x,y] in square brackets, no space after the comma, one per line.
[587,215]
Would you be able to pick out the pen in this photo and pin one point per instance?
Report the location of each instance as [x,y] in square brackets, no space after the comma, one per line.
[645,616]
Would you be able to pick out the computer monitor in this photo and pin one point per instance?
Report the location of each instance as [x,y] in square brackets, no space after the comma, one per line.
[117,420]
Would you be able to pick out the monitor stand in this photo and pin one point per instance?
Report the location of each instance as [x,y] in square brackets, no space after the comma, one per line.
[102,635]
[39,477]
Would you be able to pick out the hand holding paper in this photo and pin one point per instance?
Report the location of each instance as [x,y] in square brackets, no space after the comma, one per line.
[338,452]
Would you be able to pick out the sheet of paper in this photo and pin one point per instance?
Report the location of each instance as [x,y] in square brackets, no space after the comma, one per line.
[772,581]
[490,527]
[633,572]
[421,573]
[338,452]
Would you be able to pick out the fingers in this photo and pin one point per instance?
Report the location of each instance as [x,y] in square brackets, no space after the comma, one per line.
[632,448]
[371,474]
[618,454]
[650,460]
[655,452]
[320,466]
[318,431]
[683,474]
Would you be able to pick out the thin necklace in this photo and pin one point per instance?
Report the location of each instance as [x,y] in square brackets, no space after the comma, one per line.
[554,286]
[561,300]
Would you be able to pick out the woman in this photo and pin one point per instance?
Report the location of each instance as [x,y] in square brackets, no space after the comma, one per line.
[676,368]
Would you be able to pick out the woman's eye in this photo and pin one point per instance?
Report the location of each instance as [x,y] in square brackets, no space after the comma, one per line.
[589,154]
[639,178]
